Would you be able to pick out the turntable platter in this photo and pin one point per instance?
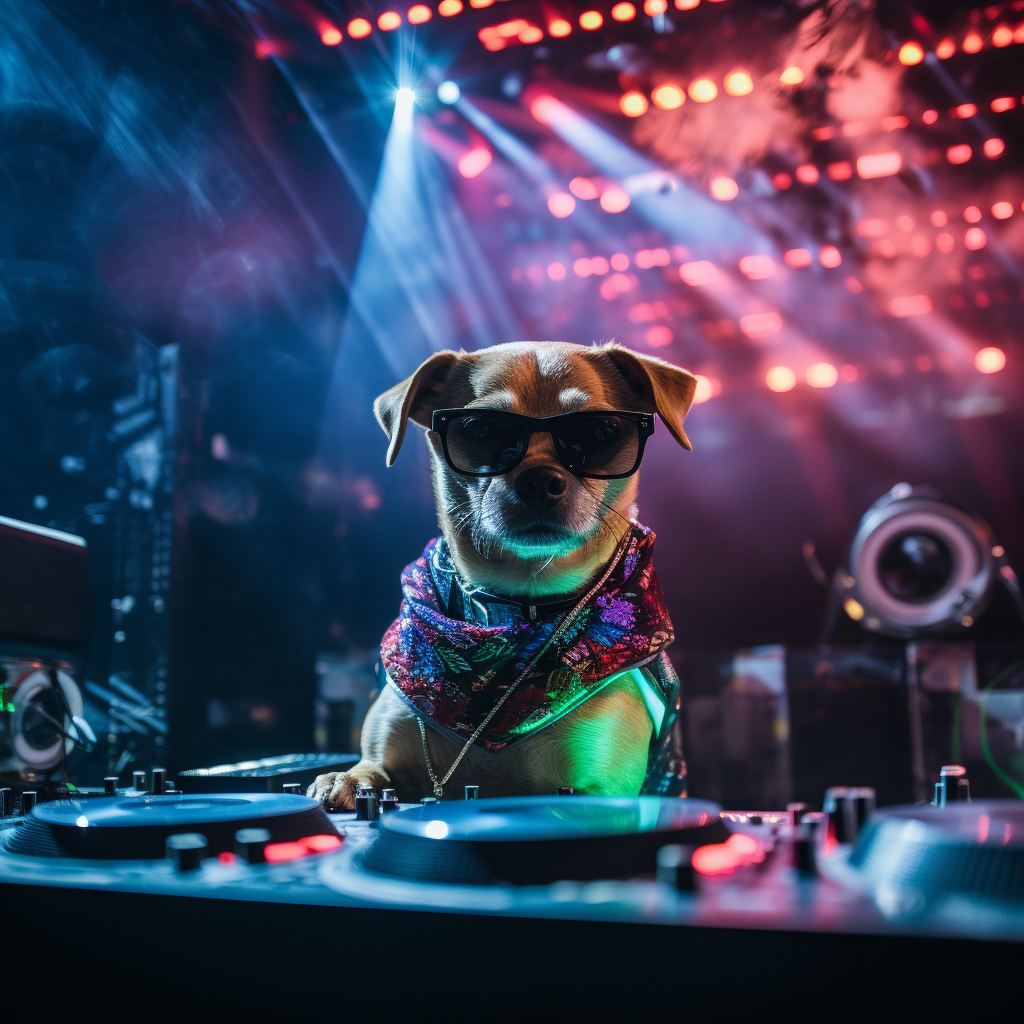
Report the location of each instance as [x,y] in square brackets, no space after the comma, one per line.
[537,840]
[135,828]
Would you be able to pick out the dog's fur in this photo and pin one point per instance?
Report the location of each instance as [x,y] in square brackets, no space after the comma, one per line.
[500,544]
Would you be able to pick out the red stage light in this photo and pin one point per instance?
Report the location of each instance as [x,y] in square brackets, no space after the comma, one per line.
[975,238]
[930,116]
[686,5]
[890,124]
[911,53]
[782,181]
[1001,211]
[848,373]
[938,219]
[389,21]
[624,12]
[910,305]
[821,375]
[655,7]
[633,103]
[780,378]
[358,28]
[715,860]
[418,14]
[761,325]
[839,171]
[698,272]
[879,165]
[990,360]
[944,242]
[530,35]
[972,42]
[480,3]
[964,111]
[581,268]
[797,258]
[972,215]
[1002,104]
[945,49]
[559,28]
[1002,36]
[830,256]
[545,109]
[561,204]
[591,20]
[329,35]
[806,174]
[959,154]
[993,148]
[475,162]
[449,8]
[738,83]
[702,90]
[598,266]
[668,96]
[707,388]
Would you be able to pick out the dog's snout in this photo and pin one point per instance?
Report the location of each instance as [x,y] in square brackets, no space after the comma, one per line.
[540,487]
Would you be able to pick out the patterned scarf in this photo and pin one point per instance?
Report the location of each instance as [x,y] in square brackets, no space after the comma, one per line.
[453,672]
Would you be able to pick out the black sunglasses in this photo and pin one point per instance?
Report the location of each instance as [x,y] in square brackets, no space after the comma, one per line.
[599,444]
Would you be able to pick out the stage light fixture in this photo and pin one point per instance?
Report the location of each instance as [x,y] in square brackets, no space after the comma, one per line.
[993,148]
[702,90]
[668,96]
[738,83]
[591,20]
[389,21]
[780,379]
[945,49]
[418,14]
[559,28]
[653,8]
[633,103]
[959,154]
[919,566]
[624,12]
[973,42]
[990,360]
[975,238]
[449,92]
[405,98]
[449,8]
[329,35]
[1001,211]
[911,53]
[359,28]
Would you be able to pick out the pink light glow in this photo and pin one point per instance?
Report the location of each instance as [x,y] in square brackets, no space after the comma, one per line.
[475,162]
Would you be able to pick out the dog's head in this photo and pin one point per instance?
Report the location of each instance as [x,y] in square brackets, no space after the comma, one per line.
[539,529]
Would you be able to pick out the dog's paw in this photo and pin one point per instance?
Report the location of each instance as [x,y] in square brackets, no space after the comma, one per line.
[337,790]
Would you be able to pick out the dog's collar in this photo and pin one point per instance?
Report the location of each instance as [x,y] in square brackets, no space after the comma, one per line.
[466,602]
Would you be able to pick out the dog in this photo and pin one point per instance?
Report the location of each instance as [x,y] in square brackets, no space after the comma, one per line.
[537,533]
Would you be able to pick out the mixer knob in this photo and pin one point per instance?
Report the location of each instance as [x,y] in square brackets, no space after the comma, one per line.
[159,777]
[366,805]
[6,801]
[847,809]
[293,788]
[185,850]
[796,813]
[28,800]
[952,786]
[804,857]
[110,785]
[389,801]
[863,801]
[566,790]
[251,845]
[139,781]
[675,867]
[472,792]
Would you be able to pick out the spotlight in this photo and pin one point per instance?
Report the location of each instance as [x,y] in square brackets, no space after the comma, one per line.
[448,92]
[404,100]
[919,566]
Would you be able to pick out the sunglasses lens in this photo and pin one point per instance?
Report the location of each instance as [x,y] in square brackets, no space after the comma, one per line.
[485,442]
[599,445]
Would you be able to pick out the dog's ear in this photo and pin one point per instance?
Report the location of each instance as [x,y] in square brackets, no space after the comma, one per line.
[664,388]
[414,399]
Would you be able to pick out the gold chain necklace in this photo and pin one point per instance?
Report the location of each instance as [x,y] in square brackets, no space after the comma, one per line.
[559,630]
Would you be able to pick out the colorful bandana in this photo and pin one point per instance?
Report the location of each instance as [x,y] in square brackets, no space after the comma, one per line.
[453,672]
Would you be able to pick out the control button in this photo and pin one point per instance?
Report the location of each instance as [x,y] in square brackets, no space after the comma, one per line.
[110,785]
[675,867]
[472,792]
[804,854]
[796,813]
[388,801]
[6,801]
[251,845]
[159,784]
[566,791]
[292,787]
[139,782]
[847,809]
[185,850]
[366,805]
[28,800]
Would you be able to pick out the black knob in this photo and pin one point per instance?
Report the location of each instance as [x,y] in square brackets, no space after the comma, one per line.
[159,784]
[804,855]
[366,805]
[675,867]
[110,785]
[292,787]
[847,809]
[566,791]
[6,801]
[812,821]
[388,801]
[251,844]
[139,781]
[953,786]
[472,792]
[796,813]
[28,800]
[185,850]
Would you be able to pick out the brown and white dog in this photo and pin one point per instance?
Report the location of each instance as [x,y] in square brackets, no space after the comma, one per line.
[508,544]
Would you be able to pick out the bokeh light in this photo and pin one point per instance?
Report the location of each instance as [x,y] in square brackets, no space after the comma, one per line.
[591,20]
[973,42]
[556,271]
[975,238]
[633,103]
[821,375]
[583,188]
[614,200]
[830,256]
[780,378]
[911,53]
[449,8]
[993,148]
[475,162]
[724,188]
[791,76]
[653,8]
[449,92]
[559,28]
[738,83]
[389,21]
[561,204]
[668,96]
[658,336]
[330,36]
[418,14]
[1001,211]
[624,12]
[990,360]
[707,388]
[945,49]
[959,154]
[358,28]
[702,90]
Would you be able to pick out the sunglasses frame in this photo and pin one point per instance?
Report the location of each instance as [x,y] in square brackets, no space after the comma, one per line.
[442,419]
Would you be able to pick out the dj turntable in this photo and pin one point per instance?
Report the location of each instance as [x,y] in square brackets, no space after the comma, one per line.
[622,902]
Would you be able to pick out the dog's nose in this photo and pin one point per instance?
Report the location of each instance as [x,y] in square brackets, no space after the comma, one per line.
[540,487]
